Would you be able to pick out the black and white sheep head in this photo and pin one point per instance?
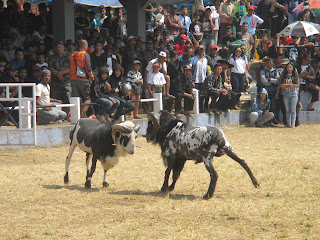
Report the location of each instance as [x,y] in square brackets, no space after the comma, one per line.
[124,135]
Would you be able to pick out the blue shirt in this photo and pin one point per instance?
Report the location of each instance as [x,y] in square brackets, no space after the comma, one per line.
[185,22]
[18,64]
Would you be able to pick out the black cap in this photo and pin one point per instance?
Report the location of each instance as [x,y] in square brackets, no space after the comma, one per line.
[59,43]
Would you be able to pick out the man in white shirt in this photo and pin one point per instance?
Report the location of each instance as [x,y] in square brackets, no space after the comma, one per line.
[47,114]
[158,17]
[184,19]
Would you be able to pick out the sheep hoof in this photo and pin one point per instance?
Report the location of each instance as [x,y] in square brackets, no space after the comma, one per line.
[171,188]
[105,184]
[66,179]
[164,189]
[88,184]
[256,184]
[207,196]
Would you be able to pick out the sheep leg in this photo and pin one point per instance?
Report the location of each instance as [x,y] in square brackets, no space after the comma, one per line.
[93,168]
[166,180]
[105,183]
[213,178]
[243,163]
[68,159]
[176,173]
[88,163]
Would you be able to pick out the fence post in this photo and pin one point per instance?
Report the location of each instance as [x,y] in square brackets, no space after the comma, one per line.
[196,102]
[157,105]
[26,120]
[76,110]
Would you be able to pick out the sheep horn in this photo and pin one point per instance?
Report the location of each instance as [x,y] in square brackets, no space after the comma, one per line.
[120,128]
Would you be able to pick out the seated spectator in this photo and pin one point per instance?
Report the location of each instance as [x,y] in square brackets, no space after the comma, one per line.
[184,90]
[9,51]
[3,64]
[156,80]
[316,43]
[269,80]
[134,77]
[213,87]
[265,47]
[182,45]
[18,60]
[22,74]
[260,110]
[42,61]
[100,93]
[47,114]
[118,92]
[10,75]
[307,80]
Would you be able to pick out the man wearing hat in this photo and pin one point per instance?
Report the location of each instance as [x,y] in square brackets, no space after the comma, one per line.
[253,20]
[182,45]
[173,22]
[213,57]
[184,90]
[59,67]
[47,114]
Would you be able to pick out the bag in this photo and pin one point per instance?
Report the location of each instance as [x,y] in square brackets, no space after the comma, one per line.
[81,72]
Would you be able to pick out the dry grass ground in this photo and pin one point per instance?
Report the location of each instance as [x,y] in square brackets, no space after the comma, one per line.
[35,204]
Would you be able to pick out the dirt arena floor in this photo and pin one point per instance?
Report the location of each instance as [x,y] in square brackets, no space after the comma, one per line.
[35,203]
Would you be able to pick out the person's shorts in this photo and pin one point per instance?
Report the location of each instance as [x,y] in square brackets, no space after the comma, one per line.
[156,89]
[80,88]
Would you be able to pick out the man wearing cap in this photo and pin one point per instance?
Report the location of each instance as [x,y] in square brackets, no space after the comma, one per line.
[47,114]
[253,20]
[227,13]
[184,90]
[182,45]
[148,54]
[161,59]
[59,67]
[213,57]
[173,22]
[184,19]
[130,54]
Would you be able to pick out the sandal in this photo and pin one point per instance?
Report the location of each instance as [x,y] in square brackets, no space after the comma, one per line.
[311,109]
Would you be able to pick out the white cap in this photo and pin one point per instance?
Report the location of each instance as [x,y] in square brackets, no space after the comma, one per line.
[162,54]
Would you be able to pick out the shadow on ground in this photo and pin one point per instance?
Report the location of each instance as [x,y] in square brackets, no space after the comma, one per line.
[155,194]
[71,187]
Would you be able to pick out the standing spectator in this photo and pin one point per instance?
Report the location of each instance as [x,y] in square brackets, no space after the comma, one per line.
[9,51]
[173,22]
[252,19]
[81,74]
[130,54]
[208,38]
[225,42]
[119,26]
[185,59]
[92,20]
[107,23]
[110,59]
[100,93]
[290,5]
[81,22]
[227,14]
[98,58]
[59,67]
[18,60]
[240,11]
[134,77]
[158,17]
[156,80]
[102,17]
[247,38]
[239,71]
[236,44]
[196,30]
[201,13]
[148,54]
[184,90]
[307,80]
[260,111]
[216,23]
[47,114]
[199,64]
[293,52]
[184,19]
[289,84]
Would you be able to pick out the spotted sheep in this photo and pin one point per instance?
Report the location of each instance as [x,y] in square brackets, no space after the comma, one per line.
[179,142]
[101,141]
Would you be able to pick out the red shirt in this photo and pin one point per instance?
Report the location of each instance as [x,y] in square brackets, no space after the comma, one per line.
[283,42]
[180,48]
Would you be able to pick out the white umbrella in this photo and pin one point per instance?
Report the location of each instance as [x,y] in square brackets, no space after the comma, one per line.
[300,29]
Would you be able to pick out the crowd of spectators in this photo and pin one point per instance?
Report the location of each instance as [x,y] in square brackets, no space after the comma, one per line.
[210,49]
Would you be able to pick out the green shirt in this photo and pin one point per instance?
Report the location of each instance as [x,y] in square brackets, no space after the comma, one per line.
[234,45]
